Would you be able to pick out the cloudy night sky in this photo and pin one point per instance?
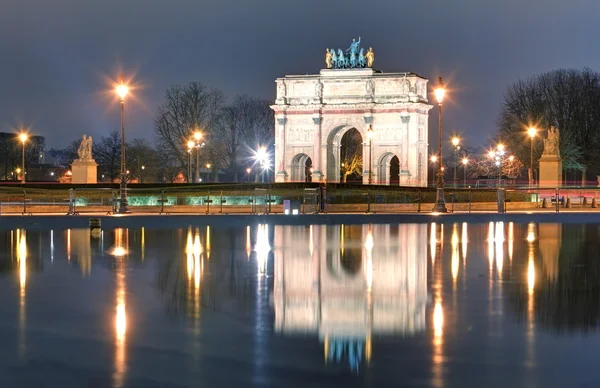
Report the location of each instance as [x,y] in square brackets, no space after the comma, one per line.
[57,57]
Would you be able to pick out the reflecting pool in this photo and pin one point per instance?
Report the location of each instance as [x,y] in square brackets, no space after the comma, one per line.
[434,305]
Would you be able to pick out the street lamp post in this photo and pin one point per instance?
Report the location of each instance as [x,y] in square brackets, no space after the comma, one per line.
[370,134]
[198,137]
[465,162]
[207,171]
[122,91]
[531,132]
[440,203]
[142,174]
[190,145]
[248,170]
[23,138]
[455,142]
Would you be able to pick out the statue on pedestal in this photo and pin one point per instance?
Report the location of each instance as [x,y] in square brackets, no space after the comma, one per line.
[551,143]
[85,148]
[84,169]
[550,162]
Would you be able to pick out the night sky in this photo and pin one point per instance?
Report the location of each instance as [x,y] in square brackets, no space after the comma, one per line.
[57,57]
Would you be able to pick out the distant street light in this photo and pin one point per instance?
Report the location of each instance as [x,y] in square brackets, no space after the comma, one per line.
[190,145]
[440,203]
[142,174]
[262,158]
[531,132]
[23,138]
[455,141]
[122,91]
[248,170]
[207,171]
[370,134]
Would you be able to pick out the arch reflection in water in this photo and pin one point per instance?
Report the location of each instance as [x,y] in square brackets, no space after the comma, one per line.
[362,280]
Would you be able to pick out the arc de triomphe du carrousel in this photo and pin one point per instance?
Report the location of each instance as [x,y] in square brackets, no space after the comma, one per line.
[388,110]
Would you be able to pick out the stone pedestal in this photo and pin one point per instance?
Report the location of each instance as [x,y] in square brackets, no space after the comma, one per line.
[550,171]
[84,171]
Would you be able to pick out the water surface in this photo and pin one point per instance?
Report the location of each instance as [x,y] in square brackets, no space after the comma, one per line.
[450,305]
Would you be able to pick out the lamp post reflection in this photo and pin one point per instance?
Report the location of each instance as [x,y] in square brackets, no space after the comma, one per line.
[119,251]
[22,260]
[530,295]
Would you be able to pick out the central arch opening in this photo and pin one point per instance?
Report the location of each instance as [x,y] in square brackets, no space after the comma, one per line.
[302,168]
[388,169]
[395,171]
[351,157]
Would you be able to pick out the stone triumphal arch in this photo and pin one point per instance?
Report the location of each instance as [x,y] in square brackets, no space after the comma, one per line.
[313,112]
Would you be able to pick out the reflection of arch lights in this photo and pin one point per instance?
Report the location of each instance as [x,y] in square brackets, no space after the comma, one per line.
[432,241]
[262,247]
[369,244]
[490,242]
[511,231]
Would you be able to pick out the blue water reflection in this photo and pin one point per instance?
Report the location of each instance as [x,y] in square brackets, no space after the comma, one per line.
[451,304]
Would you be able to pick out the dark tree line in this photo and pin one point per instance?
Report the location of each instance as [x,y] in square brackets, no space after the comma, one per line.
[567,99]
[11,153]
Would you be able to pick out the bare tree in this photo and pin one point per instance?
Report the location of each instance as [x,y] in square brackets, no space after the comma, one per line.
[187,108]
[244,126]
[107,153]
[142,160]
[568,99]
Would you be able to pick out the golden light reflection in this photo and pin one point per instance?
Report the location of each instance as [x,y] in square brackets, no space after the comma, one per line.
[455,255]
[311,243]
[490,244]
[464,241]
[120,317]
[530,274]
[143,243]
[438,344]
[368,349]
[499,240]
[189,250]
[531,232]
[248,242]
[119,249]
[369,244]
[511,231]
[262,248]
[432,241]
[68,244]
[195,269]
[208,242]
[22,259]
[438,321]
[52,245]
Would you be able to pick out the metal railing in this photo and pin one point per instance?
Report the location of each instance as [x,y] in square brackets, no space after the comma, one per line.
[269,199]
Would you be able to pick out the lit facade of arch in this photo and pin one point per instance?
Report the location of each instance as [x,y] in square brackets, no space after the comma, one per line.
[312,113]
